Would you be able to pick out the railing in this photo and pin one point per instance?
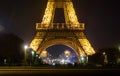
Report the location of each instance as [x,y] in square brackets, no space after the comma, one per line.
[59,26]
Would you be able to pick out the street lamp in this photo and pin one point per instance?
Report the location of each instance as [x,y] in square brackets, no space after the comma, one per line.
[32,54]
[105,58]
[25,49]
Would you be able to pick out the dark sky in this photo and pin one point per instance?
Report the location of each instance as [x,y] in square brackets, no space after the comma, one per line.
[101,18]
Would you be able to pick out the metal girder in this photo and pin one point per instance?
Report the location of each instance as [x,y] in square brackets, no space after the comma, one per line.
[69,33]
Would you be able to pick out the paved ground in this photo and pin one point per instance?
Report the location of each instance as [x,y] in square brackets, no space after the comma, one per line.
[33,71]
[58,72]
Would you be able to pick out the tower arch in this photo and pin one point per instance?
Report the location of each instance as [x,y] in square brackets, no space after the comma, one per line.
[70,33]
[65,42]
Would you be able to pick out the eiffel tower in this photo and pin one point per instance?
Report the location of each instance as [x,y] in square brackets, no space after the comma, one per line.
[69,33]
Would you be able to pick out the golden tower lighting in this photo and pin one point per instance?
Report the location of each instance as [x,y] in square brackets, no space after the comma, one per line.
[70,33]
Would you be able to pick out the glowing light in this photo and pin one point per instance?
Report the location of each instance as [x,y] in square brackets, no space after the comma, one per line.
[71,13]
[82,58]
[44,54]
[62,61]
[32,52]
[36,55]
[35,44]
[70,18]
[86,46]
[53,64]
[104,53]
[25,47]
[48,14]
[67,52]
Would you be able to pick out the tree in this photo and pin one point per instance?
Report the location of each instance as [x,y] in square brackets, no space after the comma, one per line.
[10,48]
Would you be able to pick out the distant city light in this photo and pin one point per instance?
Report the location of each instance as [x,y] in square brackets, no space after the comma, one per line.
[36,55]
[67,52]
[63,56]
[53,64]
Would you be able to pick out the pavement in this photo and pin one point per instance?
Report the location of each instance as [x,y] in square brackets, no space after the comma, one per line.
[58,71]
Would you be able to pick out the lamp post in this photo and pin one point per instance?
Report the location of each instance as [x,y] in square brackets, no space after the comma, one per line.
[33,53]
[105,58]
[25,49]
[87,59]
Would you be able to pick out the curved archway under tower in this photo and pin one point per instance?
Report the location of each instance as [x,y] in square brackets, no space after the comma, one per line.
[61,54]
[66,43]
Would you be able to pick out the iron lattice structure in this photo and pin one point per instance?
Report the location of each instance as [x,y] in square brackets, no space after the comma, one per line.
[69,33]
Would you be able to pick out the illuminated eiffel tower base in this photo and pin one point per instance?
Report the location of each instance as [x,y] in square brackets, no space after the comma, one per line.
[69,33]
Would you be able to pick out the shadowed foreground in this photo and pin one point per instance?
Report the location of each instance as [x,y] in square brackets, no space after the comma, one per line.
[57,71]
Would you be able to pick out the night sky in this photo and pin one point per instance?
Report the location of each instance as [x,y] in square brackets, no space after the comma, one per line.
[101,18]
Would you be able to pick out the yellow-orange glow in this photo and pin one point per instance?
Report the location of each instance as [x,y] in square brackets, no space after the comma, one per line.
[43,54]
[67,52]
[72,23]
[35,44]
[71,13]
[86,46]
[48,14]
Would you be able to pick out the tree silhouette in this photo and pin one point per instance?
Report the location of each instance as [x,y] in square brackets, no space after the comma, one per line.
[10,48]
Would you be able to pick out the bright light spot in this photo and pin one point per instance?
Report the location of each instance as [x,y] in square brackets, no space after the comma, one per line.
[25,46]
[32,52]
[62,60]
[73,63]
[36,55]
[53,64]
[67,56]
[104,53]
[67,52]
[5,61]
[82,58]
